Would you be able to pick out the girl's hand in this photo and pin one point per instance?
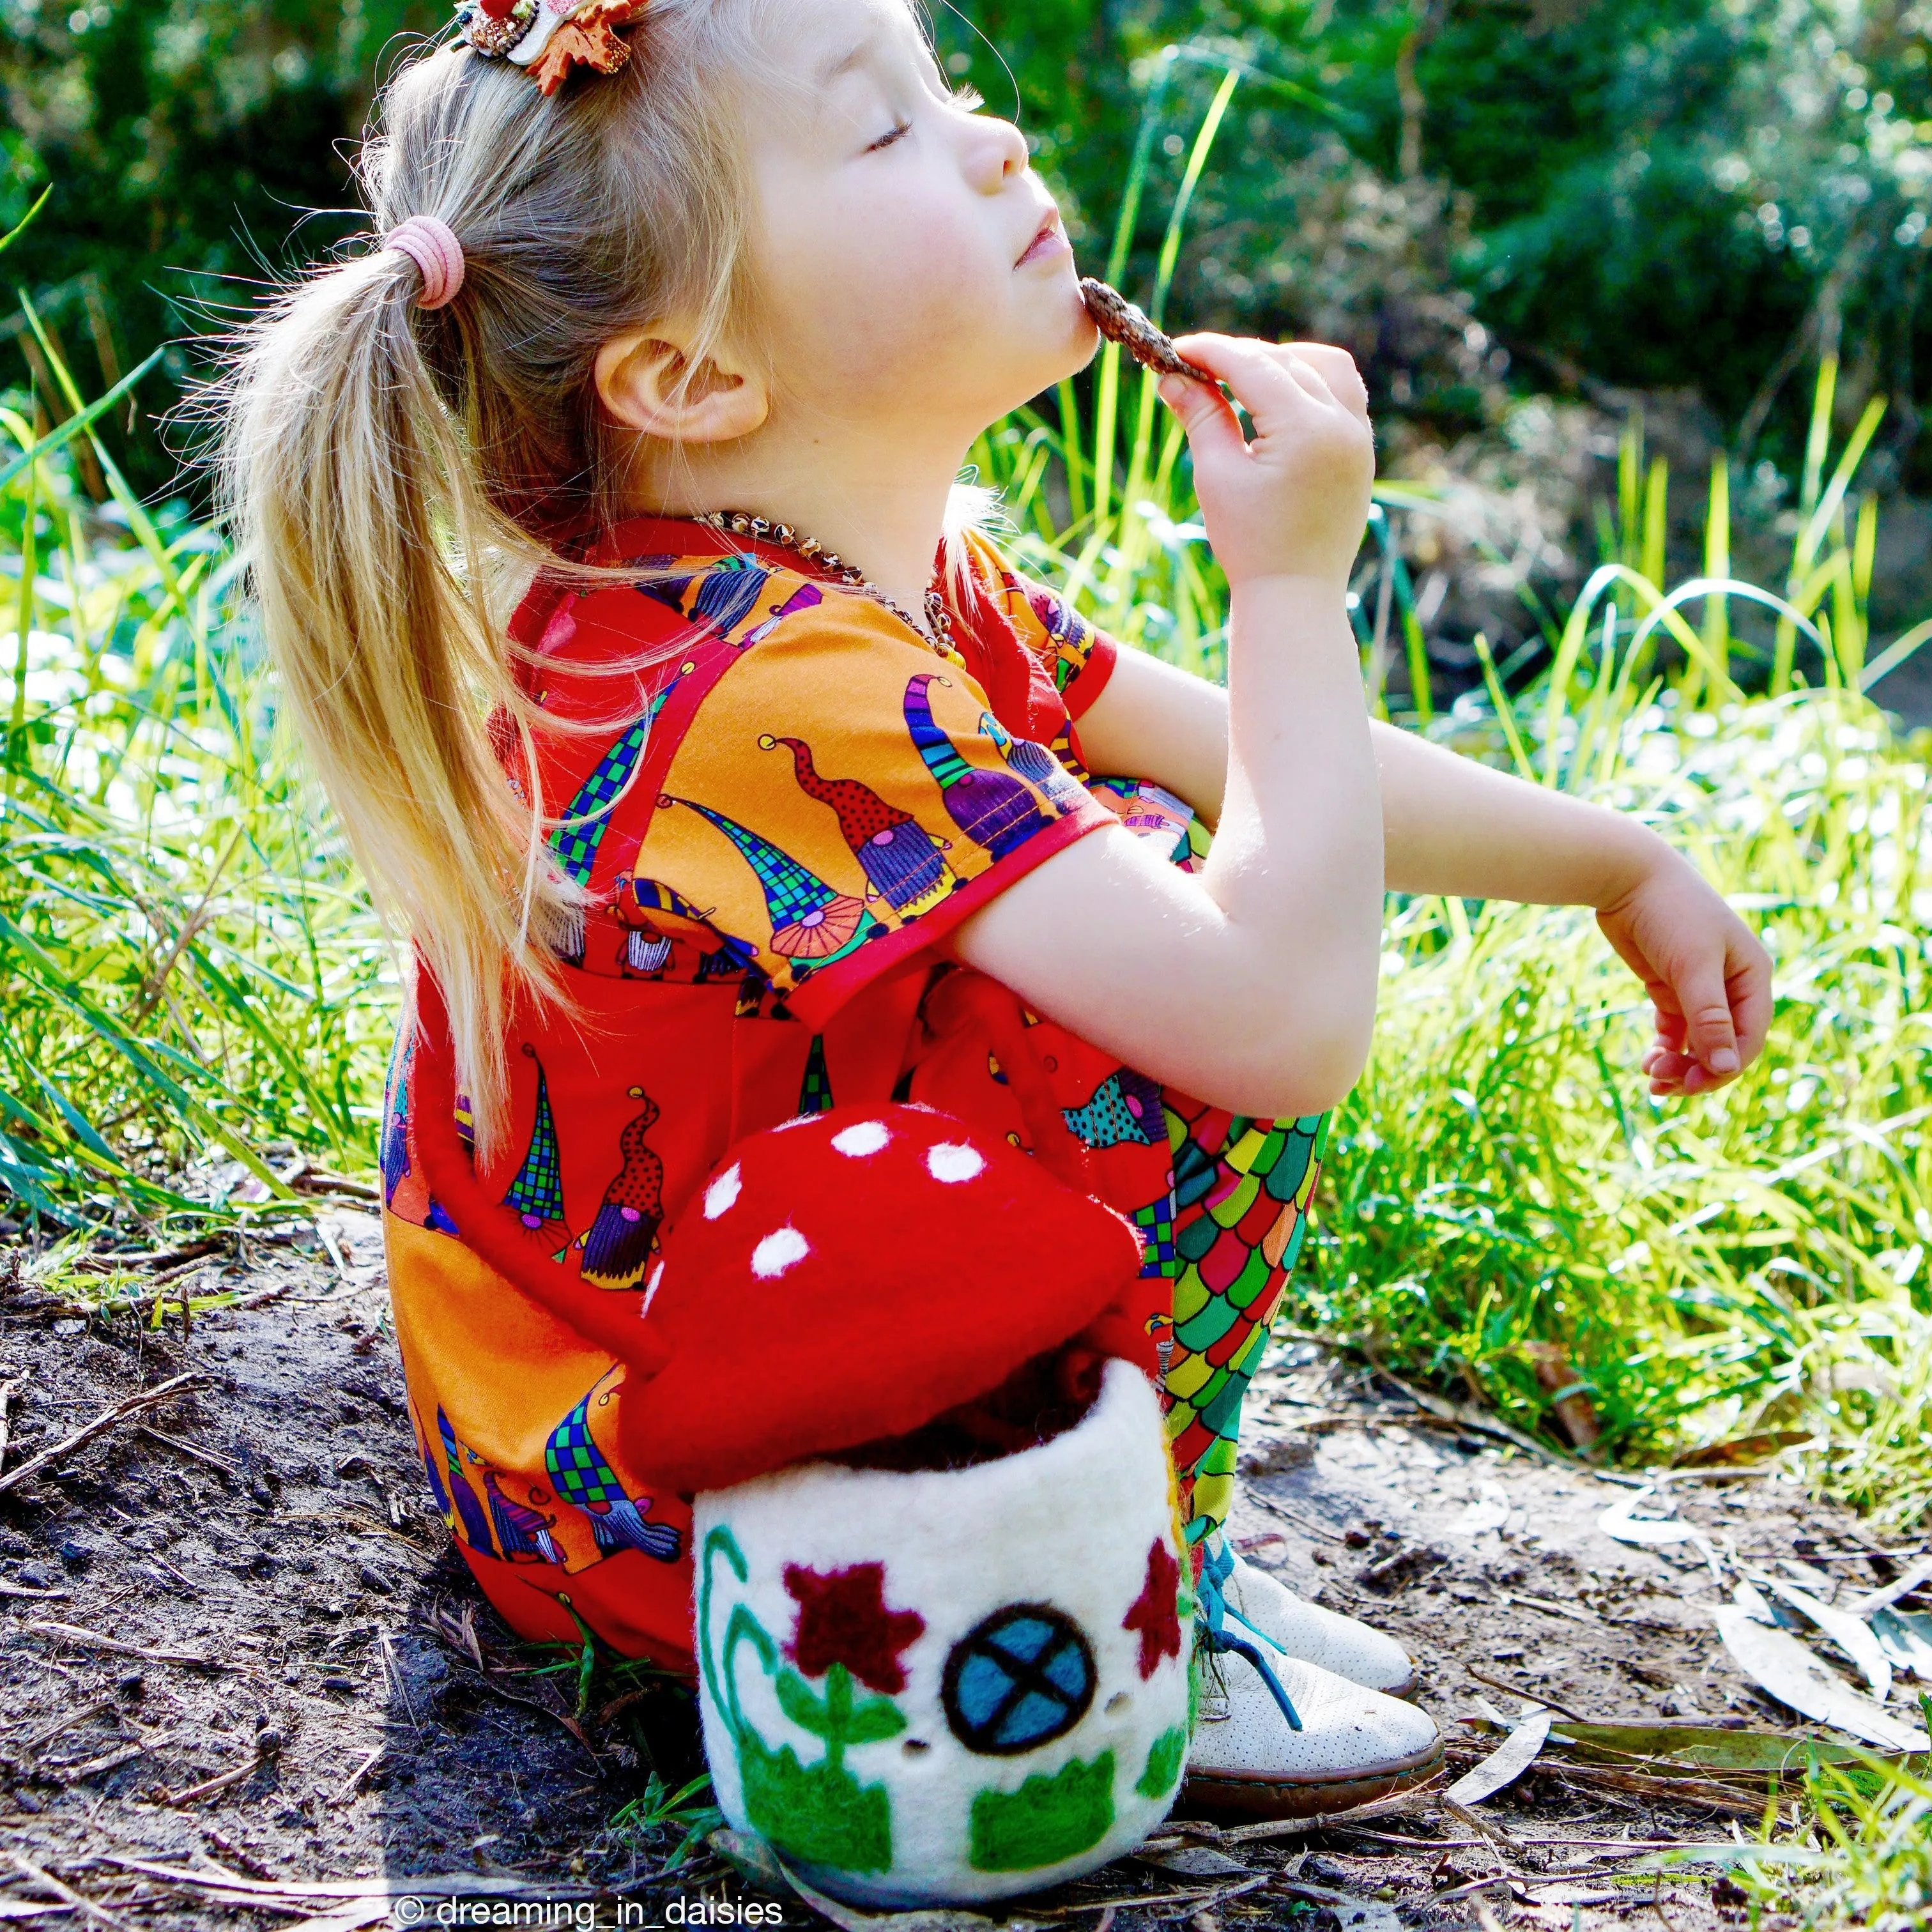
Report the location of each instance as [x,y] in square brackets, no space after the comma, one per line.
[1707,975]
[1293,502]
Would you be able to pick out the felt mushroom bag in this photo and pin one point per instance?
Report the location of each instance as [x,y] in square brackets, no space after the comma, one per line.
[944,1614]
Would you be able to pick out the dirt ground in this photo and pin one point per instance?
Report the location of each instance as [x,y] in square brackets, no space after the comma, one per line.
[238,1650]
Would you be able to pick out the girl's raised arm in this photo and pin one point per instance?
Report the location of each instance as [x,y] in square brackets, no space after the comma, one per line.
[1252,984]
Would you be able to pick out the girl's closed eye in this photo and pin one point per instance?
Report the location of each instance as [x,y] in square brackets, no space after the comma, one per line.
[965,99]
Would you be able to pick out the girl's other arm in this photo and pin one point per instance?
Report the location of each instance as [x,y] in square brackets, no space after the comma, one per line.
[1252,984]
[1452,825]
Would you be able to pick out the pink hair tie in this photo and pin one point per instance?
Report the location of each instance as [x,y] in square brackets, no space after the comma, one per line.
[432,245]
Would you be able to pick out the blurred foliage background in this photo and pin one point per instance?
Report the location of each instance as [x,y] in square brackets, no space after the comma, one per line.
[1534,221]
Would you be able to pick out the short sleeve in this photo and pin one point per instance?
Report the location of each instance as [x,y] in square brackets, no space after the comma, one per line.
[843,797]
[1078,657]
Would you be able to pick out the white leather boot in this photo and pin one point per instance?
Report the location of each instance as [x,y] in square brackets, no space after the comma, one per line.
[1259,1605]
[1354,1745]
[1276,1736]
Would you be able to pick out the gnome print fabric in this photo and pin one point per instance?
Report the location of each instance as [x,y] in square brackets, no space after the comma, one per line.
[778,801]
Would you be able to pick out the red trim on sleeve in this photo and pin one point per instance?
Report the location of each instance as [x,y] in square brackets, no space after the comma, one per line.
[821,996]
[1088,683]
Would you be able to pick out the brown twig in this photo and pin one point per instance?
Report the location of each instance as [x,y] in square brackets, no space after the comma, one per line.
[392,1669]
[184,938]
[88,1640]
[6,1389]
[267,1746]
[316,1181]
[1304,1524]
[129,1406]
[1202,1901]
[238,1855]
[1518,1691]
[1473,1820]
[161,1258]
[1398,1804]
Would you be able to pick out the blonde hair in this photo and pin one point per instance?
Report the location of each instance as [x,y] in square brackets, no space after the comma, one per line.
[384,466]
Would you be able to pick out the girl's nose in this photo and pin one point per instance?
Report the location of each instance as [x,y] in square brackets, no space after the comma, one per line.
[997,153]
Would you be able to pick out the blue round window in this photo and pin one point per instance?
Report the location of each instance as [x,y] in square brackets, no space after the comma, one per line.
[1020,1678]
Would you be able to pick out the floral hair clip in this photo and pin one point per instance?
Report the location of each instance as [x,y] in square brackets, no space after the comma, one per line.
[551,37]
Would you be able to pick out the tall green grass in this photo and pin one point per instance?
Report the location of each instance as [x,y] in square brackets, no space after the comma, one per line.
[193,989]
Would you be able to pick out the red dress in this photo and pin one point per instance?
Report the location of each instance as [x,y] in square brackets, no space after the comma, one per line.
[780,800]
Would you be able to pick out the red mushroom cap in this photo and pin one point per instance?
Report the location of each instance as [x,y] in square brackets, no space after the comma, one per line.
[849,1277]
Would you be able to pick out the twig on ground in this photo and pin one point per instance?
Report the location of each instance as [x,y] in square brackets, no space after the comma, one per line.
[188,1585]
[1576,1612]
[88,1640]
[350,1785]
[1518,1691]
[267,1746]
[392,1669]
[1885,1596]
[6,1389]
[1466,1416]
[73,1773]
[21,1590]
[1287,1515]
[1473,1820]
[317,1181]
[107,1419]
[1503,1879]
[236,1854]
[48,1882]
[1202,1901]
[72,1721]
[1397,1805]
[220,1463]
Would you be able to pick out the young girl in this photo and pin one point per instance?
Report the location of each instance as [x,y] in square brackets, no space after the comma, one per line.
[775,789]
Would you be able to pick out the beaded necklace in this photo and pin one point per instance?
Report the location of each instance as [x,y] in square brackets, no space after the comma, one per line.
[936,631]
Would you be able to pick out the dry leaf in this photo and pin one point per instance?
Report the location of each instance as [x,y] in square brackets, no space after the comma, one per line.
[1852,1635]
[1505,1765]
[1777,1660]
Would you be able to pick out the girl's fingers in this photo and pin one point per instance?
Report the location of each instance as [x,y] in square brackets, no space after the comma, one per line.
[1206,415]
[1272,393]
[1749,987]
[1336,369]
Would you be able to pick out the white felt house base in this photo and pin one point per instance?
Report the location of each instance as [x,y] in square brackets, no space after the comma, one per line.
[948,1686]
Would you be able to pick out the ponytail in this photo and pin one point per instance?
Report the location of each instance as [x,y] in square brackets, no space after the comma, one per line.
[392,452]
[352,494]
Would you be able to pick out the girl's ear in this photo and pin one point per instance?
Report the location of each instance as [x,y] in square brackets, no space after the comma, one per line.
[645,379]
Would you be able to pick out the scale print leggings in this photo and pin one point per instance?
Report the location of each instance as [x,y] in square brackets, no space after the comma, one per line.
[1242,1191]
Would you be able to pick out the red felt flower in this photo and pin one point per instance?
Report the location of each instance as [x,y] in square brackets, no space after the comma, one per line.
[1154,1614]
[842,1618]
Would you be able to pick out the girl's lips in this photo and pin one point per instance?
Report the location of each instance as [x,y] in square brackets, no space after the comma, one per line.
[1051,240]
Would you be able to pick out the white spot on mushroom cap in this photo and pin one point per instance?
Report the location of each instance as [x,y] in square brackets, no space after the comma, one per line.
[783,1248]
[867,1137]
[722,1192]
[954,1160]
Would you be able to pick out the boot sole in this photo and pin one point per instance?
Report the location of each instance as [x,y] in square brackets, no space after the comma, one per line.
[1311,1797]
